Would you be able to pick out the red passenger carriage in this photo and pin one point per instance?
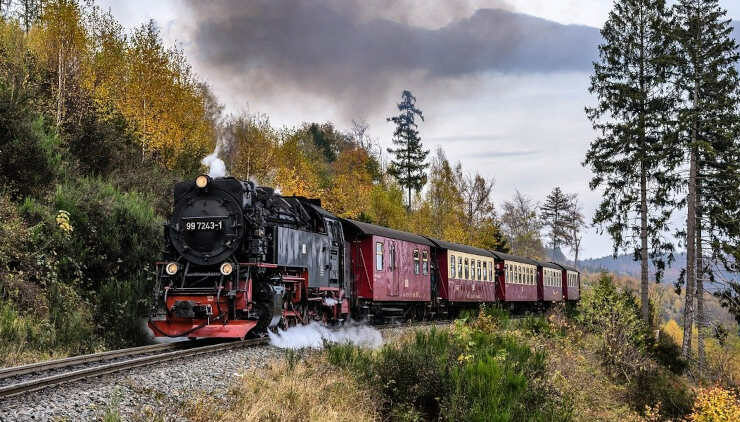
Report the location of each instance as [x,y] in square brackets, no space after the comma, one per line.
[571,282]
[516,278]
[550,280]
[391,269]
[466,274]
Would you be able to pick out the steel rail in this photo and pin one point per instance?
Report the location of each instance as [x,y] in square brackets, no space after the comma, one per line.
[83,359]
[63,378]
[171,351]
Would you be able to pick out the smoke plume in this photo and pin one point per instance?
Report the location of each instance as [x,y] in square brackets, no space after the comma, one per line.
[315,335]
[359,54]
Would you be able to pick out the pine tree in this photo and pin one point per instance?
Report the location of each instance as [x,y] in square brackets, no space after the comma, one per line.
[632,155]
[554,215]
[707,80]
[409,164]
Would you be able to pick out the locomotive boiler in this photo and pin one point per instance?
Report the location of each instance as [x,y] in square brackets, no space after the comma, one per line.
[240,258]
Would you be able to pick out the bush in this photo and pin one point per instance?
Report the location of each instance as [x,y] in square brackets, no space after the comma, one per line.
[614,316]
[661,389]
[121,307]
[716,404]
[30,158]
[470,373]
[115,235]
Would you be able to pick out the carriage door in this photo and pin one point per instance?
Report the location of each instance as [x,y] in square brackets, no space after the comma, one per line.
[335,249]
[394,270]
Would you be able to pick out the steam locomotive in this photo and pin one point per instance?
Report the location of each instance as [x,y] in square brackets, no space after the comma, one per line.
[241,259]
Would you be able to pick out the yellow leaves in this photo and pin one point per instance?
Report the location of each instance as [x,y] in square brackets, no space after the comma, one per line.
[672,329]
[63,221]
[715,404]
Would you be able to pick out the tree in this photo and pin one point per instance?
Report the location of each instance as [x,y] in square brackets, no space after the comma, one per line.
[707,80]
[632,155]
[476,201]
[61,41]
[408,165]
[575,223]
[554,215]
[522,226]
[444,199]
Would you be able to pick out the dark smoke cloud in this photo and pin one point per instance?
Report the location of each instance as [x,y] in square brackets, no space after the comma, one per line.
[359,58]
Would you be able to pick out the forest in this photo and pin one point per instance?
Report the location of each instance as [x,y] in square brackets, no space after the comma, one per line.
[98,121]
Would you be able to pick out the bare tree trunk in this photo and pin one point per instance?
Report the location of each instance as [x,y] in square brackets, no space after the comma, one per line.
[644,298]
[700,317]
[60,83]
[688,311]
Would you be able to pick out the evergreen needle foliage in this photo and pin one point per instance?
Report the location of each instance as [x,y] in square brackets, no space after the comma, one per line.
[409,163]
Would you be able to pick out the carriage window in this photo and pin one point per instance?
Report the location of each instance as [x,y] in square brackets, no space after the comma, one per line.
[467,269]
[425,262]
[416,261]
[452,266]
[485,271]
[379,256]
[459,268]
[506,273]
[478,265]
[490,270]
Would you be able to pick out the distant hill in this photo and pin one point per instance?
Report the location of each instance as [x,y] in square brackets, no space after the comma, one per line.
[625,265]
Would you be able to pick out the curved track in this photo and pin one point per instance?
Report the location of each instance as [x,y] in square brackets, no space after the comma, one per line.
[15,380]
[151,354]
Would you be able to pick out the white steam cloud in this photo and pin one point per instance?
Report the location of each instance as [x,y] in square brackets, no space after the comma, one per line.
[216,166]
[315,335]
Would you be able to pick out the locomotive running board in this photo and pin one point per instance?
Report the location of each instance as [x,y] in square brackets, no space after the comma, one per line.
[232,329]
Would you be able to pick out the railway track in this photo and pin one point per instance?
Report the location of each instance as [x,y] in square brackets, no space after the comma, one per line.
[63,371]
[139,356]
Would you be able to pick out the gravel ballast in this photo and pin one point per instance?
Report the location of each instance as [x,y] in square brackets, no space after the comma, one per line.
[153,392]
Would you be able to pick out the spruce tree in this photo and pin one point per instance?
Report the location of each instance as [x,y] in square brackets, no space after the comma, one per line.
[707,80]
[409,163]
[554,215]
[632,155]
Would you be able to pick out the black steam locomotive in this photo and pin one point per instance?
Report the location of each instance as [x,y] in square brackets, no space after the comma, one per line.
[240,257]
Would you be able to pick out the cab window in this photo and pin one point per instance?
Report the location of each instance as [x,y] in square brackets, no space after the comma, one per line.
[379,256]
[416,261]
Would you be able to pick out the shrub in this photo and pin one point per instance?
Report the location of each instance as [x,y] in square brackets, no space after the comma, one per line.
[716,404]
[470,373]
[115,234]
[30,157]
[614,316]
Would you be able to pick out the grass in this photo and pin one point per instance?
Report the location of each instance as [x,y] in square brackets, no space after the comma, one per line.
[307,390]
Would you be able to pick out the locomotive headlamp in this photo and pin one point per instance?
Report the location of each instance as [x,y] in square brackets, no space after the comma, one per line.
[201,181]
[171,268]
[226,268]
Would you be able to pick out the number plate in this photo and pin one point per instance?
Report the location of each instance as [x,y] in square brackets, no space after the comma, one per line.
[204,225]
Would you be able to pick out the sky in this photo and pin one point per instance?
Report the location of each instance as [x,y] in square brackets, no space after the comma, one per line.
[502,85]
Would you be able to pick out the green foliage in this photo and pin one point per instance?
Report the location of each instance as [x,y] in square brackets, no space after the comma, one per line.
[114,232]
[615,316]
[30,157]
[469,373]
[660,387]
[408,165]
[121,306]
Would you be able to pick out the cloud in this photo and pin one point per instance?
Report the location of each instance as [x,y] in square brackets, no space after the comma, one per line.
[358,58]
[496,154]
